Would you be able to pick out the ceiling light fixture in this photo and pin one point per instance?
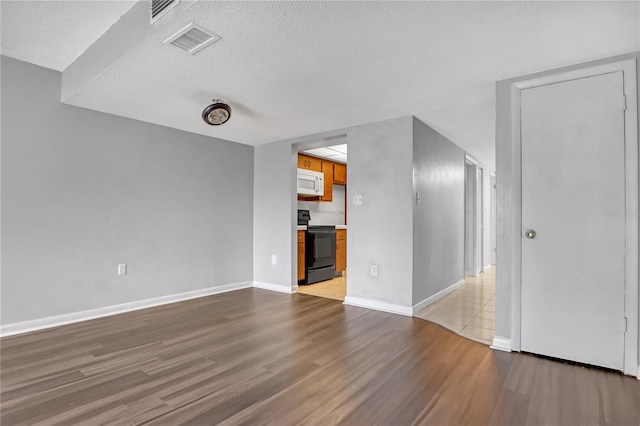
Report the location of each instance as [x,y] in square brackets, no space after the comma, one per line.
[217,113]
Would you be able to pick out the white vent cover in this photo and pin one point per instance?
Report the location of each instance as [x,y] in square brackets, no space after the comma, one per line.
[159,8]
[192,38]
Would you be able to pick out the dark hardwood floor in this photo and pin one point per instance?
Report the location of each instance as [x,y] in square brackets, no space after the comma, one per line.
[259,357]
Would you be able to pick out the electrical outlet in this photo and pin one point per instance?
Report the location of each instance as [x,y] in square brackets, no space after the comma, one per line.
[122,269]
[274,259]
[374,270]
[357,200]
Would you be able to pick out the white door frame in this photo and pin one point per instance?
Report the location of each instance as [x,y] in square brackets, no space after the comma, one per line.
[513,209]
[480,209]
[472,254]
[493,218]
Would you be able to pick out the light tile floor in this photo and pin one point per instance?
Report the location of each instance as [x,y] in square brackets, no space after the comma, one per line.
[469,310]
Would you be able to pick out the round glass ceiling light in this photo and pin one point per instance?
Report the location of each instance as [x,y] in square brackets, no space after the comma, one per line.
[217,113]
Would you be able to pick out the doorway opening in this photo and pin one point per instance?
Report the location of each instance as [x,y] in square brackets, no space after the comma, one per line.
[470,309]
[322,220]
[474,218]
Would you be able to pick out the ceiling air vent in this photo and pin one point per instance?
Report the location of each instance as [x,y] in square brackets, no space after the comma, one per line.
[192,38]
[159,8]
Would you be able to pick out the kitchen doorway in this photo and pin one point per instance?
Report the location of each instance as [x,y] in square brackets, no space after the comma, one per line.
[322,220]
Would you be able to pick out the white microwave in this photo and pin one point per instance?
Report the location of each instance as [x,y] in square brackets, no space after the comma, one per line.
[310,182]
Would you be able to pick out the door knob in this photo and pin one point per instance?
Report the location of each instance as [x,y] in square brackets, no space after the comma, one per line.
[530,233]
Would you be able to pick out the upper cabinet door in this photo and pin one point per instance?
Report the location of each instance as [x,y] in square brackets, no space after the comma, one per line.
[339,174]
[309,163]
[327,169]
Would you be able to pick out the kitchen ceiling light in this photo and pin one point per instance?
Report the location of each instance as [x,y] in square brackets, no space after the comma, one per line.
[217,113]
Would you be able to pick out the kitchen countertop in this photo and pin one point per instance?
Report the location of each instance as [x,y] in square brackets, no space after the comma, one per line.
[304,228]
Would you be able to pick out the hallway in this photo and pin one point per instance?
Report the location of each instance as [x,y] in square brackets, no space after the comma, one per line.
[468,310]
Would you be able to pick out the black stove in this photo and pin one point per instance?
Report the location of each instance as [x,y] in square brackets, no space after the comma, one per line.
[320,250]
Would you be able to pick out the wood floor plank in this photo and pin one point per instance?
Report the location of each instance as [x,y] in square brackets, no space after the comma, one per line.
[259,357]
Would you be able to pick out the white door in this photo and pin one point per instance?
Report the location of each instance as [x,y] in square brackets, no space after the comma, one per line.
[573,197]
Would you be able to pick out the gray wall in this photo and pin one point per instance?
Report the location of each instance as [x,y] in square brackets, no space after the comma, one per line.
[83,191]
[418,250]
[381,229]
[273,215]
[438,220]
[509,212]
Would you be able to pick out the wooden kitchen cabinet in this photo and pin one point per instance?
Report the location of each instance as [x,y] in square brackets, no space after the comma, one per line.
[301,265]
[334,173]
[309,163]
[341,250]
[339,174]
[327,169]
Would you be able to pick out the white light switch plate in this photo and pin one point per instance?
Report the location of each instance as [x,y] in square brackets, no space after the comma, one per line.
[122,269]
[274,259]
[374,270]
[357,200]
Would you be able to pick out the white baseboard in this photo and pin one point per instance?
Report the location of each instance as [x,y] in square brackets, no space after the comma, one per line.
[501,344]
[439,295]
[379,305]
[275,287]
[55,321]
[487,267]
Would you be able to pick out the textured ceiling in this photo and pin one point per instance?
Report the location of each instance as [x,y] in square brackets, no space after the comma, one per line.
[295,68]
[53,34]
